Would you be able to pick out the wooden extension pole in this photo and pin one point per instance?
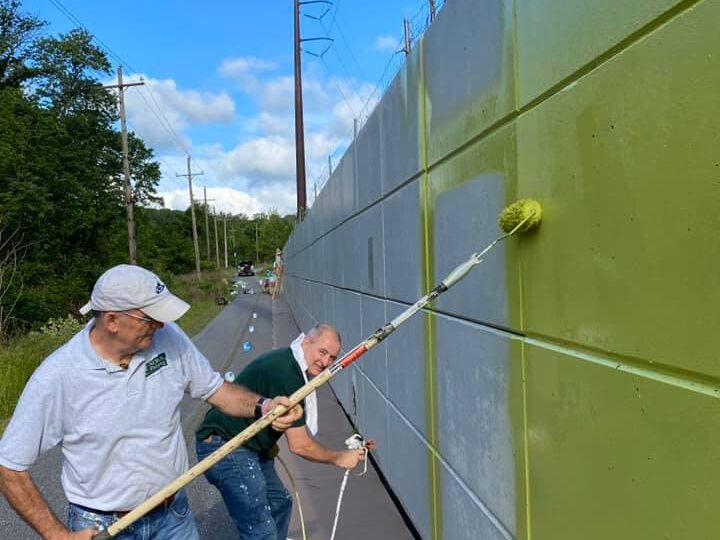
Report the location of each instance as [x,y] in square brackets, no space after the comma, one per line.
[458,273]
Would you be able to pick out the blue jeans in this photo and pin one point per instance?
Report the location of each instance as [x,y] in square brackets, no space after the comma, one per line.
[172,523]
[255,497]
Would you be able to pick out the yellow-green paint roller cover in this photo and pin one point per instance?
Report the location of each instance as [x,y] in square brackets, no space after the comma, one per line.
[525,213]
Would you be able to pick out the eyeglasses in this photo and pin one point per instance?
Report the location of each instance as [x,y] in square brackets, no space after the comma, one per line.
[146,320]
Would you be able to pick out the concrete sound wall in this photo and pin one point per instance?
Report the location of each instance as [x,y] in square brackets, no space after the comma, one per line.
[568,388]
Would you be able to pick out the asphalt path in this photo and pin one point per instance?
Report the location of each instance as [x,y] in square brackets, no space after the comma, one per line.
[266,324]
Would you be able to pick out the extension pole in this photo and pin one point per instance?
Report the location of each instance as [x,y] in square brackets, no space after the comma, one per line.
[338,365]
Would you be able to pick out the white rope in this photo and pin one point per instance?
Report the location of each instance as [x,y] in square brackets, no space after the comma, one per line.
[354,442]
[339,502]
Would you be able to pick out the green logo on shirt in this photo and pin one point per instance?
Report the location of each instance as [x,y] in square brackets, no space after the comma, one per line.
[159,362]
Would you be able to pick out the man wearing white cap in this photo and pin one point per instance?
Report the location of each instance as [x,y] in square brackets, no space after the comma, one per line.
[110,398]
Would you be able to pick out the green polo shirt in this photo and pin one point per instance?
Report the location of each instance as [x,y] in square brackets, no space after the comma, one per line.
[275,373]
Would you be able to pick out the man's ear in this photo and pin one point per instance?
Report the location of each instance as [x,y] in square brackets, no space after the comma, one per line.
[110,320]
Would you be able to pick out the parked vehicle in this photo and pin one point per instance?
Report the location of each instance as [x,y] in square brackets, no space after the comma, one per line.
[245,268]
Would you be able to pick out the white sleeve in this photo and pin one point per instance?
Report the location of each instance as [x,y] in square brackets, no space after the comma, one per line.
[36,425]
[202,380]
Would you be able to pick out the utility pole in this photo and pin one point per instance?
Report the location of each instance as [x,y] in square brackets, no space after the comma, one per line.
[406,27]
[207,226]
[132,244]
[217,249]
[234,247]
[432,10]
[192,213]
[299,129]
[225,238]
[257,251]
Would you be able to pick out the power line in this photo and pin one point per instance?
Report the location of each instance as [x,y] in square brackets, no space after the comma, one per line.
[157,111]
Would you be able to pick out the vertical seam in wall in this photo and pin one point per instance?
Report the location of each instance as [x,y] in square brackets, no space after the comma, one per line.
[427,220]
[526,448]
[523,363]
[516,69]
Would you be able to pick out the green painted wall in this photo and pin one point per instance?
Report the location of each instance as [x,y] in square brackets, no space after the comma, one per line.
[600,325]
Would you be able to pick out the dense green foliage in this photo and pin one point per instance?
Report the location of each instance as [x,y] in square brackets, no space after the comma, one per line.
[62,213]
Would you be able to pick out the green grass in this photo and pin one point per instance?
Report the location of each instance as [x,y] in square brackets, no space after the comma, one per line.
[17,362]
[20,356]
[201,297]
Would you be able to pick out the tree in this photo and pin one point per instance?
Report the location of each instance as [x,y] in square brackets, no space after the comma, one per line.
[18,33]
[11,254]
[60,164]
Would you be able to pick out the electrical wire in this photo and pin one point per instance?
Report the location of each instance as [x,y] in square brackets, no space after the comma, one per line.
[157,110]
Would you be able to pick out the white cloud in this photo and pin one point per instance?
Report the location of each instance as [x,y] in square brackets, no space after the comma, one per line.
[243,70]
[257,169]
[276,124]
[276,196]
[262,157]
[387,43]
[161,112]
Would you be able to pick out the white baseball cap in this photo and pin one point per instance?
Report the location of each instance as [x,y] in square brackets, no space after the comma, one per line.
[125,287]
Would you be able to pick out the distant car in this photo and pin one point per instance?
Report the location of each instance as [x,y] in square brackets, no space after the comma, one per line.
[245,268]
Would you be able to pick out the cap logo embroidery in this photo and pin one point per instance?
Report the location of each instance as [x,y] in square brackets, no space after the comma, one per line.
[159,287]
[159,362]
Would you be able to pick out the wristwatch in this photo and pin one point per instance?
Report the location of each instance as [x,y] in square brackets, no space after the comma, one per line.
[258,407]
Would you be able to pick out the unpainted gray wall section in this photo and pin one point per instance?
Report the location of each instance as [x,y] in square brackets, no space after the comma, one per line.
[348,189]
[374,362]
[367,149]
[408,461]
[369,257]
[399,156]
[474,426]
[469,72]
[461,517]
[372,414]
[406,368]
[465,222]
[402,229]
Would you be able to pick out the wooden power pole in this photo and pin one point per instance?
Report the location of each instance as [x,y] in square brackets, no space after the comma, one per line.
[192,213]
[225,238]
[132,244]
[217,248]
[207,226]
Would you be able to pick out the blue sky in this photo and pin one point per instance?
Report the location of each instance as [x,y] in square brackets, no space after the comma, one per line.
[218,85]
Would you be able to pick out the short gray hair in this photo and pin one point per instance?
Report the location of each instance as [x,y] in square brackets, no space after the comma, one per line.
[320,328]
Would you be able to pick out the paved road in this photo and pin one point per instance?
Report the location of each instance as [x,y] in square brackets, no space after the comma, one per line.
[368,510]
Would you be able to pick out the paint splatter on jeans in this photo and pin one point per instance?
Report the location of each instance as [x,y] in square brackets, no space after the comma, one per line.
[255,497]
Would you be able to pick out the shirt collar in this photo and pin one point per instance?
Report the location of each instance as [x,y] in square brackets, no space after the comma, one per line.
[91,358]
[299,354]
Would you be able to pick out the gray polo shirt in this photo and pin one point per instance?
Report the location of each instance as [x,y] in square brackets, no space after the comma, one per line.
[119,430]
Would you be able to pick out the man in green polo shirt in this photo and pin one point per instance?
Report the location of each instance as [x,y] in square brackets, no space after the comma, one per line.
[257,501]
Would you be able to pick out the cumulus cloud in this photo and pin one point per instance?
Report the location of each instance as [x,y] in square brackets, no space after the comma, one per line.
[270,157]
[257,169]
[387,43]
[160,112]
[243,70]
[278,197]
